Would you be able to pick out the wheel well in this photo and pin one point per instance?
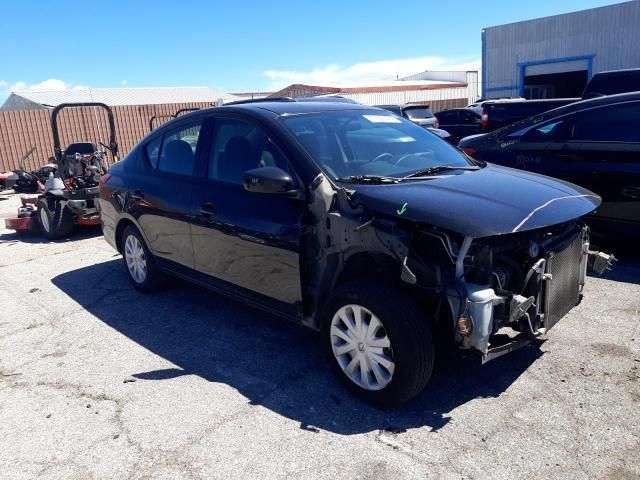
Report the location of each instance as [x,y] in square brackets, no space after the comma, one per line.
[122,224]
[382,267]
[367,264]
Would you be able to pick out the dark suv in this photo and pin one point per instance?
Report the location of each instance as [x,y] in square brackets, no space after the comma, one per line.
[460,123]
[594,143]
[357,223]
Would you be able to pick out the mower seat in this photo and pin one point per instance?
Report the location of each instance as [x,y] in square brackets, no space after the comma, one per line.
[83,148]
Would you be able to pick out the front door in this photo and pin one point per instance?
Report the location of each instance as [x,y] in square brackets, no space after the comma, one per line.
[249,241]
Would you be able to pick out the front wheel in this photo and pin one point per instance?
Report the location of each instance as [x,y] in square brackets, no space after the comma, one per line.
[379,344]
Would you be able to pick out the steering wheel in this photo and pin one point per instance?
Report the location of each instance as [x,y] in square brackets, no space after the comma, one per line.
[382,156]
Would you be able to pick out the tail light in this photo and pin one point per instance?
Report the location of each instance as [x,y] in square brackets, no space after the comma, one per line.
[104,179]
[485,118]
[436,123]
[468,151]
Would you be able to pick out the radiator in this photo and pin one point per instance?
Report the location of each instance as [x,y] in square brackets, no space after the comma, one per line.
[563,289]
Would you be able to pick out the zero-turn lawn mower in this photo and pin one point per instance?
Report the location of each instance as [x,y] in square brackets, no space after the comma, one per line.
[32,182]
[69,193]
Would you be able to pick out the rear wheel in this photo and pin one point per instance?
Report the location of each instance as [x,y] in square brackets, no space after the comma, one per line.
[141,267]
[379,344]
[55,218]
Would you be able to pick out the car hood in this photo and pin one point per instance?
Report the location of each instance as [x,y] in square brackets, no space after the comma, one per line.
[492,201]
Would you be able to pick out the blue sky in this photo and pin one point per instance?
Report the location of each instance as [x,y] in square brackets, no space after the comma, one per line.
[244,45]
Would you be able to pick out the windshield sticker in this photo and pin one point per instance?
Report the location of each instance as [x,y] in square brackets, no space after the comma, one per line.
[403,209]
[382,119]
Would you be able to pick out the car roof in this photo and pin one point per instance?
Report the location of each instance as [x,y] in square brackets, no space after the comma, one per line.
[295,107]
[613,72]
[461,109]
[570,108]
[596,102]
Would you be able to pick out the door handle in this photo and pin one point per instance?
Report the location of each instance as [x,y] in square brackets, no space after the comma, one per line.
[207,210]
[137,194]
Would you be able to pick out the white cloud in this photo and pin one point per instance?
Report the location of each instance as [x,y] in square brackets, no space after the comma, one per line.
[367,71]
[48,84]
[124,82]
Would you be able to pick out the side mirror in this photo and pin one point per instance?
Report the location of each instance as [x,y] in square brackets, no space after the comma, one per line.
[271,180]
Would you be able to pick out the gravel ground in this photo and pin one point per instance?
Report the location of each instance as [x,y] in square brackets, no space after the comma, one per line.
[99,381]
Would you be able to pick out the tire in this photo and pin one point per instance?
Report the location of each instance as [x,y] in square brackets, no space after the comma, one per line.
[55,218]
[141,267]
[410,350]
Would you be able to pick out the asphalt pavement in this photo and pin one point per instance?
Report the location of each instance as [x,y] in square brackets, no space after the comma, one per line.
[100,381]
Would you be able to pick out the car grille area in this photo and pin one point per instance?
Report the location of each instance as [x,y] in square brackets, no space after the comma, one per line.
[563,290]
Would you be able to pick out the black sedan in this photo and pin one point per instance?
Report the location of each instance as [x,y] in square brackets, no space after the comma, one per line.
[355,222]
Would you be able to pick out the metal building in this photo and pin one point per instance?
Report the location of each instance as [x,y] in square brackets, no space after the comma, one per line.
[554,57]
[440,94]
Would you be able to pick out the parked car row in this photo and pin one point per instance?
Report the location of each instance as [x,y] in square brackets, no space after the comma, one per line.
[593,143]
[500,112]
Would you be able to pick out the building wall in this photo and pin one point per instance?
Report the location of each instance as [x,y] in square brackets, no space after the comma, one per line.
[433,97]
[470,77]
[21,130]
[604,38]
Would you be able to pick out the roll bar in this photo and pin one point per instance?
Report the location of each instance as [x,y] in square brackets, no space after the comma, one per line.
[57,150]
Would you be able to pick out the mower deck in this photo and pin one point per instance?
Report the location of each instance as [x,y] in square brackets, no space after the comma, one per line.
[27,220]
[20,225]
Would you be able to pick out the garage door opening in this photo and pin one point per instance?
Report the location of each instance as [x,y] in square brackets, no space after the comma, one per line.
[555,85]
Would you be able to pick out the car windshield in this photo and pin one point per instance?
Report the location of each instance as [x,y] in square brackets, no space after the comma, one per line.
[418,113]
[350,143]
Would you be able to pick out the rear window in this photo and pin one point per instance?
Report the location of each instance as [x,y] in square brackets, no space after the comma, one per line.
[152,151]
[612,83]
[418,113]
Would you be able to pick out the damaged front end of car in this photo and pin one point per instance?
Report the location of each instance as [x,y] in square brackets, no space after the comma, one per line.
[504,291]
[497,278]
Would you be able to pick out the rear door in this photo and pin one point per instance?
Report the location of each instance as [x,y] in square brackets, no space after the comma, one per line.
[247,243]
[161,193]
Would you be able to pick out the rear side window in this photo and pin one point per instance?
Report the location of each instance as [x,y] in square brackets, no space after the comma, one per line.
[555,130]
[469,117]
[614,123]
[174,152]
[153,151]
